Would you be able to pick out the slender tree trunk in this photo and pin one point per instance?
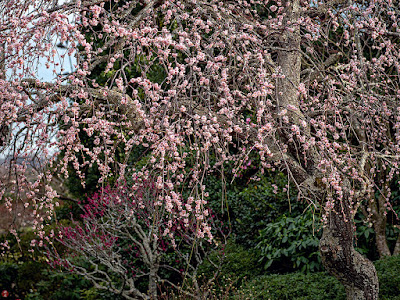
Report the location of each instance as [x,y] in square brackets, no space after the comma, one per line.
[4,129]
[380,236]
[379,220]
[2,61]
[396,250]
[355,272]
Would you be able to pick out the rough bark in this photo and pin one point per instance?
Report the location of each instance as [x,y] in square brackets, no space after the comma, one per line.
[153,282]
[339,257]
[355,272]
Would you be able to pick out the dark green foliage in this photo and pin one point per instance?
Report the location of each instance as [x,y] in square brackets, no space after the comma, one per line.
[295,286]
[27,275]
[365,238]
[249,206]
[8,274]
[239,263]
[393,232]
[321,286]
[35,280]
[59,286]
[291,243]
[262,213]
[365,241]
[389,278]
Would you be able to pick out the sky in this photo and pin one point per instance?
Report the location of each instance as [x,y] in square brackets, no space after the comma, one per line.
[67,63]
[47,75]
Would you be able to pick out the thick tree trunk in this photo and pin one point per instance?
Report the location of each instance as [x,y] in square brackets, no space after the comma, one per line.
[153,282]
[355,272]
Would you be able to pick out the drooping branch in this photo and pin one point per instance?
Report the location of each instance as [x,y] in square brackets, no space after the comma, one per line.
[322,10]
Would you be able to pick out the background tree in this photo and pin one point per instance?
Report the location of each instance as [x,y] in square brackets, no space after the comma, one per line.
[311,88]
[125,246]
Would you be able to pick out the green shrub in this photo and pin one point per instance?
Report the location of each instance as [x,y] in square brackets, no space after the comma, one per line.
[320,286]
[295,286]
[59,286]
[8,274]
[291,243]
[35,280]
[238,263]
[27,275]
[249,206]
[389,278]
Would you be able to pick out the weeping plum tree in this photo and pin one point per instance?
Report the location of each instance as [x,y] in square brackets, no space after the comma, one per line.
[311,87]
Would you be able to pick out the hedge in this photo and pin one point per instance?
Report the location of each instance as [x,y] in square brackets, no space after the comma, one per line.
[319,286]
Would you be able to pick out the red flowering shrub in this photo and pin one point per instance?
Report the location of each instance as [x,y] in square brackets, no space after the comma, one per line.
[125,239]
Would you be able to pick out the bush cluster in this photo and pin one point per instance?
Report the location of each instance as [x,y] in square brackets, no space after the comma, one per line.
[320,286]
